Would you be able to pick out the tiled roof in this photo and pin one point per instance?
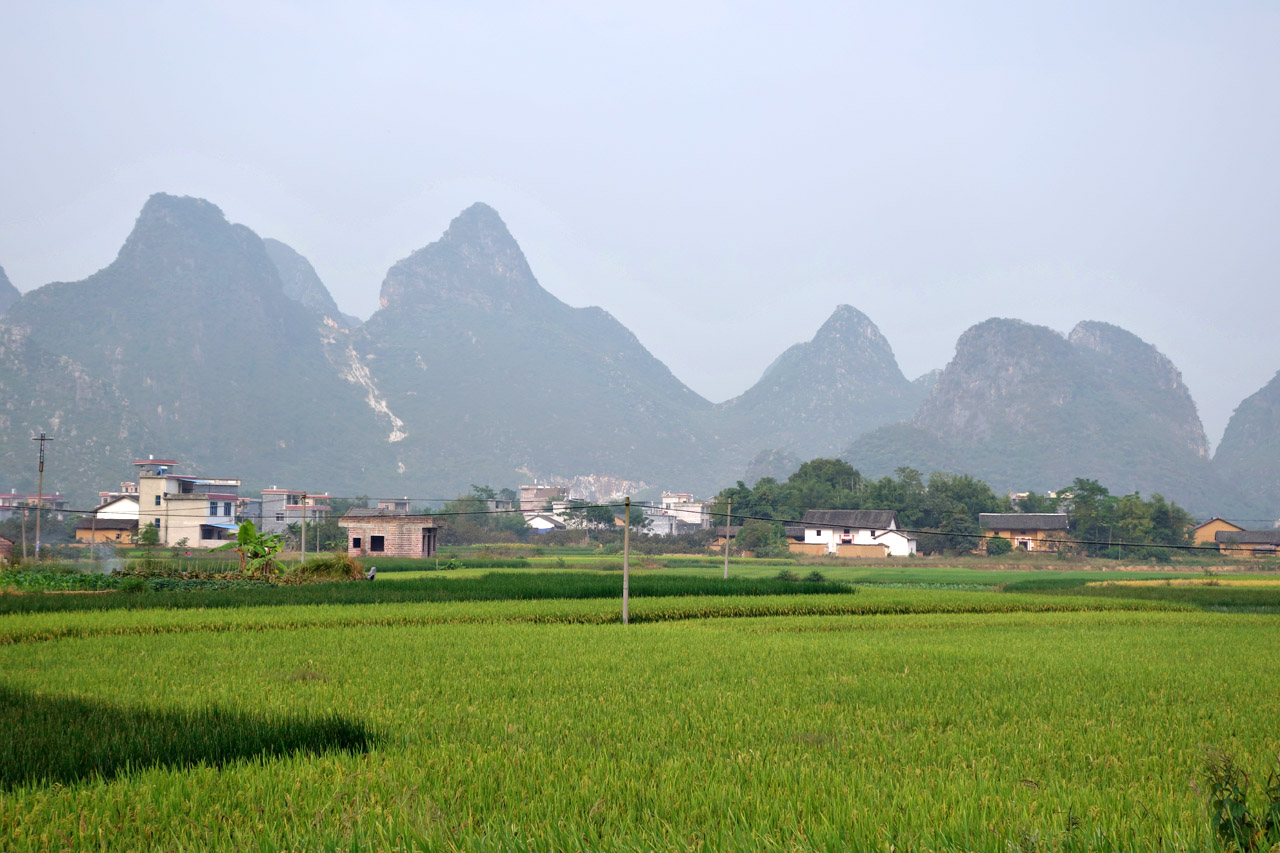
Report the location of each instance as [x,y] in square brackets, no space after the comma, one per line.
[107,524]
[866,519]
[1022,520]
[1248,537]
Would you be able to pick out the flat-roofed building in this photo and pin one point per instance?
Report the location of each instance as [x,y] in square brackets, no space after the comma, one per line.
[373,533]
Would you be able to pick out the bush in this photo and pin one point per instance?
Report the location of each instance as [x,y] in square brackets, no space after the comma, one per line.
[815,577]
[787,575]
[998,546]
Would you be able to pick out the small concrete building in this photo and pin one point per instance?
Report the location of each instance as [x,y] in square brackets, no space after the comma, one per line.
[1031,531]
[378,532]
[534,498]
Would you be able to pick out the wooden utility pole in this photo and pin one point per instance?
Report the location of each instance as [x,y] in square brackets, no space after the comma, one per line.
[626,561]
[304,527]
[728,515]
[24,533]
[40,489]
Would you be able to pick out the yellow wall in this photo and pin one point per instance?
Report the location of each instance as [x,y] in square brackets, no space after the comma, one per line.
[112,536]
[1204,534]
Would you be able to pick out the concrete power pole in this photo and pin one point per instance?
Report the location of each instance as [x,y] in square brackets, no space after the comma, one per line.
[728,515]
[626,561]
[40,489]
[304,527]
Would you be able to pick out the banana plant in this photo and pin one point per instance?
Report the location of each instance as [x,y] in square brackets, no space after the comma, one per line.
[257,550]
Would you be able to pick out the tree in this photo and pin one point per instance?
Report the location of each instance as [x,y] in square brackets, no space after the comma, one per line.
[762,538]
[149,535]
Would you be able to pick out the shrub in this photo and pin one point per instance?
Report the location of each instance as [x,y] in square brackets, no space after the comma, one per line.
[815,577]
[787,575]
[998,546]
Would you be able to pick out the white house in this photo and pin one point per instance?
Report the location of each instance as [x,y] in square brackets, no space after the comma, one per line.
[122,508]
[855,533]
[545,523]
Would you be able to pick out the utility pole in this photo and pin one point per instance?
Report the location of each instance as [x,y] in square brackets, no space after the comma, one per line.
[626,561]
[40,489]
[728,515]
[304,527]
[24,533]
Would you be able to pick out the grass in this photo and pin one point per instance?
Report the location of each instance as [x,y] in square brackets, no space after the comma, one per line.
[491,586]
[39,627]
[66,740]
[995,731]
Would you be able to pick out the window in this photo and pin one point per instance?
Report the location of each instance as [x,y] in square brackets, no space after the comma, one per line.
[226,509]
[847,530]
[279,516]
[156,524]
[213,507]
[357,542]
[376,543]
[157,500]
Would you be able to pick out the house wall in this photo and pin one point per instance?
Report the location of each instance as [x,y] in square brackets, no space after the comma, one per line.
[1205,534]
[125,510]
[112,537]
[401,538]
[835,541]
[1032,540]
[6,548]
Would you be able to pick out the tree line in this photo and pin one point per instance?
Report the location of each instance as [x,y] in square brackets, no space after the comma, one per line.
[943,509]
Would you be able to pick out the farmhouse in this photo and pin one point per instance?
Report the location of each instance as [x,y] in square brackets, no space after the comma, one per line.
[545,522]
[378,532]
[113,531]
[1249,543]
[1031,531]
[1206,533]
[115,521]
[854,533]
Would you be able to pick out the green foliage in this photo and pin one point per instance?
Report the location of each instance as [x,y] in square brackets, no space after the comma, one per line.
[257,550]
[926,714]
[494,586]
[68,740]
[1112,525]
[945,507]
[998,546]
[1230,816]
[761,538]
[149,535]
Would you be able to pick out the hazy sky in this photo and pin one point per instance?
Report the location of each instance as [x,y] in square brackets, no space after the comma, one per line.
[717,176]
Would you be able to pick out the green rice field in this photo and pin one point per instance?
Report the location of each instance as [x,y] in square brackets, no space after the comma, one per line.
[898,716]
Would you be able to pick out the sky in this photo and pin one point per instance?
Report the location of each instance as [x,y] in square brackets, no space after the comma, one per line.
[718,176]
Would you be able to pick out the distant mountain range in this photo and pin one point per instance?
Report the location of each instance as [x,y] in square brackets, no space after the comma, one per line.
[204,342]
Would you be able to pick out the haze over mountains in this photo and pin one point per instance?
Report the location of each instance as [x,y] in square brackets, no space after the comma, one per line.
[204,342]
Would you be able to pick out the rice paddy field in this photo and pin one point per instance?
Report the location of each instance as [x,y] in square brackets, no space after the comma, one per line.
[899,712]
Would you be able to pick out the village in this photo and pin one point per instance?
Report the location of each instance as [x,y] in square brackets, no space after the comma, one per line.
[165,507]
